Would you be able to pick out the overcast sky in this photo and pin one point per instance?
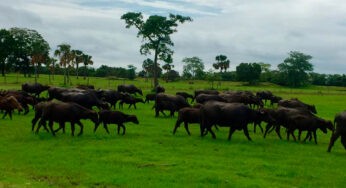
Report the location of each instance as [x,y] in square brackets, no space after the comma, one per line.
[244,30]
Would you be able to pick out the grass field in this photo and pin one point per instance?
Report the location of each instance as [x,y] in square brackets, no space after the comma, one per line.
[150,156]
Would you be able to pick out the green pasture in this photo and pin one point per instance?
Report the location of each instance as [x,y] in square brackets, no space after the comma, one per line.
[150,156]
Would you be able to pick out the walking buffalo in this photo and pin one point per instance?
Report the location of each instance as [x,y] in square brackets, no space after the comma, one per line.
[86,99]
[124,88]
[66,112]
[169,102]
[210,92]
[264,95]
[340,130]
[130,100]
[150,97]
[234,115]
[187,115]
[295,103]
[34,88]
[115,117]
[8,104]
[202,98]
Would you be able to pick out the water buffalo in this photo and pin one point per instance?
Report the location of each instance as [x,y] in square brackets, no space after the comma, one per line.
[242,98]
[295,103]
[124,88]
[57,92]
[185,95]
[8,104]
[187,115]
[85,87]
[150,97]
[131,101]
[264,95]
[66,112]
[23,98]
[340,130]
[159,89]
[115,117]
[210,92]
[281,116]
[202,98]
[111,96]
[34,88]
[307,123]
[169,102]
[275,100]
[234,115]
[38,114]
[86,99]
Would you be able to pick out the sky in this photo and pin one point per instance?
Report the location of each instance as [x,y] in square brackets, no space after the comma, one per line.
[243,30]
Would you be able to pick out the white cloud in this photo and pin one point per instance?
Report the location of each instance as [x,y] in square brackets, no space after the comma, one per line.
[244,30]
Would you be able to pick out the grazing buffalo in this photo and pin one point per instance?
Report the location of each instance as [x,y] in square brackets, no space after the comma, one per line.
[115,117]
[185,95]
[275,100]
[34,88]
[340,130]
[307,123]
[234,115]
[150,97]
[159,89]
[242,98]
[130,100]
[66,112]
[85,87]
[202,98]
[187,115]
[124,88]
[111,96]
[295,103]
[281,116]
[210,92]
[169,102]
[8,104]
[23,98]
[264,95]
[57,92]
[86,99]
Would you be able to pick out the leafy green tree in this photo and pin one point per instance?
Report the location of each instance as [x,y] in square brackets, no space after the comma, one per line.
[318,79]
[296,68]
[30,47]
[167,67]
[171,75]
[222,63]
[212,77]
[6,47]
[194,66]
[248,72]
[155,33]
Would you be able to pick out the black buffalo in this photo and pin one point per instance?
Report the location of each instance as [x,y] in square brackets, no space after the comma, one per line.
[86,99]
[202,98]
[111,96]
[34,88]
[169,102]
[150,97]
[185,95]
[159,89]
[295,103]
[115,117]
[234,115]
[124,88]
[210,92]
[340,130]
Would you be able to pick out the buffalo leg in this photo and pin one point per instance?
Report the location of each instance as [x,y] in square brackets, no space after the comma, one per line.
[124,129]
[211,132]
[177,124]
[51,127]
[267,129]
[26,109]
[343,141]
[156,112]
[6,112]
[72,128]
[39,125]
[186,125]
[292,133]
[334,137]
[246,132]
[216,127]
[129,106]
[299,134]
[231,131]
[10,114]
[34,121]
[60,127]
[81,128]
[106,127]
[315,137]
[307,136]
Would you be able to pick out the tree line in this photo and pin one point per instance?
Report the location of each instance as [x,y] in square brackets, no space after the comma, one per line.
[26,51]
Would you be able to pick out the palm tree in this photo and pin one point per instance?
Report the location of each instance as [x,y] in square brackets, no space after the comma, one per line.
[78,59]
[87,61]
[168,67]
[64,53]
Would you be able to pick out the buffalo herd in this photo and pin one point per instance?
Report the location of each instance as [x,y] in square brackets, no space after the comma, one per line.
[233,109]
